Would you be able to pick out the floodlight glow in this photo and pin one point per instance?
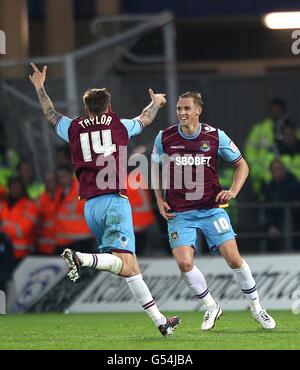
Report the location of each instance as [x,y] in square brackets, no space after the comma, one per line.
[282,20]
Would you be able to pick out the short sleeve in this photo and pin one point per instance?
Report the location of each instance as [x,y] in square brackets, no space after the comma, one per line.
[157,148]
[62,127]
[134,127]
[227,149]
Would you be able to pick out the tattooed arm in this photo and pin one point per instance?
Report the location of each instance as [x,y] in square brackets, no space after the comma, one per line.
[47,105]
[149,113]
[38,79]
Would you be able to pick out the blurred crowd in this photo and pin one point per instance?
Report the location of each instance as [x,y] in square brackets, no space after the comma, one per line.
[272,151]
[43,218]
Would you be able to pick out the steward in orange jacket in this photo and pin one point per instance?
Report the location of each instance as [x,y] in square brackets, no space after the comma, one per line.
[3,194]
[70,223]
[48,204]
[140,200]
[142,212]
[19,218]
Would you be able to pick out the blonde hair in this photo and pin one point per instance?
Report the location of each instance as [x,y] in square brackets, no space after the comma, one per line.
[195,95]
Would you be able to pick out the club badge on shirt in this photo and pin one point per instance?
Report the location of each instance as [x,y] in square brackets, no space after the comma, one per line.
[174,235]
[205,146]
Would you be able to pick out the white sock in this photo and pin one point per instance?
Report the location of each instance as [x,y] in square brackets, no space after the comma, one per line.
[244,278]
[142,294]
[103,262]
[196,281]
[255,305]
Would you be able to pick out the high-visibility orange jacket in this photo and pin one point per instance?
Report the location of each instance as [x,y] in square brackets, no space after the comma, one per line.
[70,222]
[47,211]
[142,212]
[2,193]
[19,224]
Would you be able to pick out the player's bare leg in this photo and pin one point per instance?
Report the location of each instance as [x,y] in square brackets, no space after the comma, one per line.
[125,265]
[132,272]
[195,280]
[243,276]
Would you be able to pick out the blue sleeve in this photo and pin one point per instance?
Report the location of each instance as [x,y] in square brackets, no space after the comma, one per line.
[133,126]
[157,148]
[227,149]
[62,127]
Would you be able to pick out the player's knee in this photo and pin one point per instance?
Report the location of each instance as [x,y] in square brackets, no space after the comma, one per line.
[128,263]
[126,272]
[235,262]
[185,265]
[127,269]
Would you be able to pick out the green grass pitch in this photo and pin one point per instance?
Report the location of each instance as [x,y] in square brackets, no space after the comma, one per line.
[128,331]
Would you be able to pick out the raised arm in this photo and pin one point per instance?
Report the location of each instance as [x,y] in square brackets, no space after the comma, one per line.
[149,113]
[38,79]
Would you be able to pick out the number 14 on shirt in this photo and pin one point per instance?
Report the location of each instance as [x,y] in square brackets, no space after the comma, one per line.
[98,141]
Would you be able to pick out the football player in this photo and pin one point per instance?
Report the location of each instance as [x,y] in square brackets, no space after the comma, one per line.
[192,149]
[96,141]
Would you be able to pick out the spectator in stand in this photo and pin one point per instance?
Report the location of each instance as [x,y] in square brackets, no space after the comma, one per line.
[26,172]
[289,148]
[278,115]
[290,143]
[7,261]
[48,204]
[71,228]
[260,149]
[9,158]
[19,218]
[283,187]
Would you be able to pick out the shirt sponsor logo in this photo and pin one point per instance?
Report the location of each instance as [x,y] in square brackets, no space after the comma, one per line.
[193,161]
[177,147]
[205,146]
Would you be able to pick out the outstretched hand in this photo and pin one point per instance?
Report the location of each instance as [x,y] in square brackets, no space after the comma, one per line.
[158,98]
[38,78]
